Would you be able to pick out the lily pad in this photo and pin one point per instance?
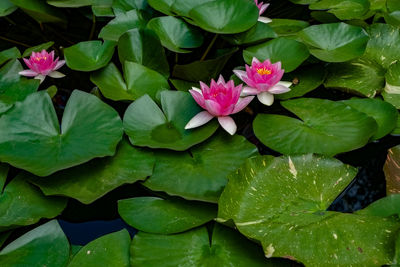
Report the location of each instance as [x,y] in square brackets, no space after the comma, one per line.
[110,250]
[159,216]
[45,245]
[325,127]
[51,148]
[90,55]
[183,7]
[224,247]
[290,52]
[4,168]
[139,80]
[37,48]
[8,54]
[200,174]
[121,24]
[6,8]
[40,11]
[175,34]
[23,204]
[258,33]
[392,171]
[70,3]
[360,76]
[90,181]
[282,202]
[144,47]
[335,42]
[343,9]
[164,6]
[384,207]
[147,125]
[391,91]
[384,114]
[288,27]
[225,16]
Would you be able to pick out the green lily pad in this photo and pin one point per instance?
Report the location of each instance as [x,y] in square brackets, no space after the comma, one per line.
[175,34]
[45,245]
[90,55]
[127,5]
[4,168]
[383,46]
[224,247]
[288,27]
[282,202]
[335,42]
[102,8]
[8,54]
[343,9]
[6,8]
[87,120]
[258,33]
[14,87]
[4,236]
[23,204]
[304,80]
[121,24]
[147,125]
[90,181]
[325,127]
[37,48]
[159,216]
[391,91]
[183,7]
[290,52]
[110,250]
[200,174]
[40,11]
[360,76]
[164,6]
[70,3]
[392,171]
[396,131]
[225,16]
[144,47]
[182,85]
[384,207]
[384,114]
[139,80]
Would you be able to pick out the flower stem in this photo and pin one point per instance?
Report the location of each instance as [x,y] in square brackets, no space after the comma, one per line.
[13,41]
[93,27]
[209,47]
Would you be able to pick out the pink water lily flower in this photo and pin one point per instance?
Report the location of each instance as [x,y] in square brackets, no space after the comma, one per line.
[264,80]
[262,7]
[42,64]
[219,100]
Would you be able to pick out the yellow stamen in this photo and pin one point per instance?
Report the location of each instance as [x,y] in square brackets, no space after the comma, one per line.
[263,71]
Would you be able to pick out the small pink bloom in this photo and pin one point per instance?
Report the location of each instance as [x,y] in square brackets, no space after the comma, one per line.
[264,80]
[219,100]
[262,7]
[42,64]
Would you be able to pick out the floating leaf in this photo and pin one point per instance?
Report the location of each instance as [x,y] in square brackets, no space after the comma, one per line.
[140,80]
[45,245]
[182,85]
[290,52]
[225,16]
[164,6]
[325,127]
[147,125]
[87,120]
[127,5]
[282,203]
[23,204]
[102,8]
[37,48]
[121,24]
[144,47]
[392,171]
[90,181]
[175,34]
[259,32]
[90,55]
[384,207]
[3,175]
[335,42]
[196,248]
[288,27]
[8,54]
[6,8]
[111,250]
[159,216]
[200,174]
[69,3]
[40,10]
[343,9]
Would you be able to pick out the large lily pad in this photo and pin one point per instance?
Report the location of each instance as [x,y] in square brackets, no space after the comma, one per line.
[164,6]
[92,180]
[200,174]
[37,48]
[4,168]
[69,3]
[288,27]
[183,7]
[196,248]
[40,11]
[8,54]
[290,52]
[147,125]
[282,203]
[6,8]
[258,33]
[225,16]
[138,81]
[175,34]
[335,42]
[90,55]
[42,147]
[144,47]
[392,171]
[45,245]
[391,91]
[343,9]
[159,216]
[110,250]
[326,127]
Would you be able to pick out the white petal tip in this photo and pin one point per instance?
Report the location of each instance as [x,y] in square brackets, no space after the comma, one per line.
[264,19]
[228,124]
[266,98]
[199,120]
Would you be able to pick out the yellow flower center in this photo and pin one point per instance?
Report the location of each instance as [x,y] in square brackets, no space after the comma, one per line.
[40,58]
[263,71]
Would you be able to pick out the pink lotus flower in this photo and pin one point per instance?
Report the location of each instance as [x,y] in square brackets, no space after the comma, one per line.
[41,64]
[262,7]
[219,100]
[263,80]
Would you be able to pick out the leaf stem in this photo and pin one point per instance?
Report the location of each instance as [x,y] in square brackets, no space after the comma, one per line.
[93,27]
[209,47]
[13,41]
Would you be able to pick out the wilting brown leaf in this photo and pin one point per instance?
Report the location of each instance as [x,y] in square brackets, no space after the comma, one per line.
[392,171]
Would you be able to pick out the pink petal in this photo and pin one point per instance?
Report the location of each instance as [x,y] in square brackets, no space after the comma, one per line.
[263,8]
[214,108]
[28,63]
[240,74]
[28,73]
[198,97]
[59,64]
[221,80]
[249,91]
[266,98]
[278,89]
[51,55]
[255,61]
[228,124]
[198,120]
[242,103]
